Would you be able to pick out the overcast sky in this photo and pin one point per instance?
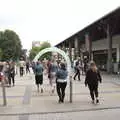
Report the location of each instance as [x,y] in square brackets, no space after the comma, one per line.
[51,20]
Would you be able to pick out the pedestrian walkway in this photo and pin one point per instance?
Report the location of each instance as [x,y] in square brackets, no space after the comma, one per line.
[25,103]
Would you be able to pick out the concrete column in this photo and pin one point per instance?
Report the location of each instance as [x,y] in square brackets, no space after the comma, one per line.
[63,47]
[76,46]
[59,56]
[92,56]
[118,53]
[73,54]
[67,48]
[58,53]
[88,45]
[109,38]
[70,50]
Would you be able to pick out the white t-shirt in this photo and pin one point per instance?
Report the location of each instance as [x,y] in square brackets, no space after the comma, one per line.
[22,63]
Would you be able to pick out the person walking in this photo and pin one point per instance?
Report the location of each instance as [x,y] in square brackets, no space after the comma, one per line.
[82,67]
[77,70]
[85,65]
[1,72]
[22,64]
[39,76]
[6,70]
[92,79]
[33,67]
[11,74]
[53,68]
[74,64]
[27,67]
[61,81]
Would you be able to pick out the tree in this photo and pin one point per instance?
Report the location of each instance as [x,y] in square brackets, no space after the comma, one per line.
[35,50]
[10,45]
[1,53]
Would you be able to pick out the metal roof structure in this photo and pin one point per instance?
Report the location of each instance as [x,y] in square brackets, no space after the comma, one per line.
[97,28]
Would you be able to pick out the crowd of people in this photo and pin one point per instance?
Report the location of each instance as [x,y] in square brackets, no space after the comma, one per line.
[9,69]
[56,74]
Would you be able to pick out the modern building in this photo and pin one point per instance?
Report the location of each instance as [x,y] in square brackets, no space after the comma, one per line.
[100,41]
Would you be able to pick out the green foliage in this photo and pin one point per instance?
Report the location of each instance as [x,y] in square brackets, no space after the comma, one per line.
[1,53]
[10,45]
[35,50]
[46,55]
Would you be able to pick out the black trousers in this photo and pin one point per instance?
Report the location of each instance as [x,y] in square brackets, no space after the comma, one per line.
[21,71]
[27,70]
[93,91]
[77,74]
[61,90]
[11,77]
[85,69]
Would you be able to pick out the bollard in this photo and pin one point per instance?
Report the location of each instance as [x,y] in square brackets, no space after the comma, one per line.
[71,89]
[4,93]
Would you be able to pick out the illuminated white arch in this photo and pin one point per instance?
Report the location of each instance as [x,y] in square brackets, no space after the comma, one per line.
[54,49]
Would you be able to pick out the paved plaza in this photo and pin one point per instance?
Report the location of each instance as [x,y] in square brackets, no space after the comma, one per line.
[25,103]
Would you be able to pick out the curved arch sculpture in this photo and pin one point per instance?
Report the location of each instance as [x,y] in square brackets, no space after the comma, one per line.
[54,49]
